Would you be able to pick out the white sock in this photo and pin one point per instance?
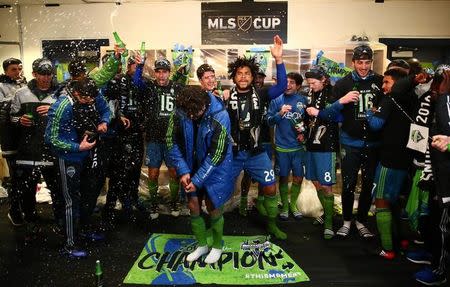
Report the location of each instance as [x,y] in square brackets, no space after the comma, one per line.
[199,251]
[358,224]
[213,256]
[347,223]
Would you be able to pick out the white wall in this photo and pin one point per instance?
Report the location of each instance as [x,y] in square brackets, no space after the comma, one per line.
[312,24]
[8,25]
[8,33]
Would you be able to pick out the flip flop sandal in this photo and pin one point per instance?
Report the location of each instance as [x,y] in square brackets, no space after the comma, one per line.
[365,233]
[343,231]
[328,233]
[284,215]
[318,221]
[297,215]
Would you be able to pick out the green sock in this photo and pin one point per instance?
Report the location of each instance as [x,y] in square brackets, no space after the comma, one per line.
[199,229]
[217,231]
[243,205]
[328,203]
[270,203]
[384,224]
[284,194]
[295,192]
[153,189]
[260,205]
[174,187]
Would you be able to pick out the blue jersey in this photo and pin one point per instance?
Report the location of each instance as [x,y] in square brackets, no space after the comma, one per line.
[287,126]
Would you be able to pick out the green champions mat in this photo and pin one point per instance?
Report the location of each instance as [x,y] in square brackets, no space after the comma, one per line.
[246,260]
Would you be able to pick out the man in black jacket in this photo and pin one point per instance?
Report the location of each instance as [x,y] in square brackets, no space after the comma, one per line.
[128,142]
[358,142]
[392,117]
[29,110]
[440,160]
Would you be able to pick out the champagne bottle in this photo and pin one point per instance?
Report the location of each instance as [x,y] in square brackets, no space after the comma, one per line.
[143,51]
[98,274]
[357,104]
[219,86]
[120,43]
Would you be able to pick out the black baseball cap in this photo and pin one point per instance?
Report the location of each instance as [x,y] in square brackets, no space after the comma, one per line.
[9,62]
[162,64]
[439,72]
[42,66]
[261,72]
[362,52]
[85,87]
[316,72]
[77,67]
[400,63]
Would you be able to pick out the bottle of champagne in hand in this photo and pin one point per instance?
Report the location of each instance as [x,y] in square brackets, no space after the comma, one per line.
[142,52]
[120,43]
[98,274]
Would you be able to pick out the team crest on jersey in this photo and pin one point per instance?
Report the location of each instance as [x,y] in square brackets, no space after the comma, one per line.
[70,171]
[416,136]
[300,106]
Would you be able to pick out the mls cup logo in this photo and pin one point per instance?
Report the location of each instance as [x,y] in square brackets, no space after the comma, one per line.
[244,23]
[257,246]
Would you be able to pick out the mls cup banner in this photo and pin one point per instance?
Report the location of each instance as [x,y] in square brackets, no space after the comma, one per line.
[246,260]
[243,23]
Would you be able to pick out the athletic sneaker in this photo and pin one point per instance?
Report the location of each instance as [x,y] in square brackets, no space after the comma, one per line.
[58,230]
[16,218]
[33,229]
[389,255]
[154,211]
[427,277]
[419,257]
[404,215]
[73,252]
[419,240]
[32,218]
[284,215]
[140,205]
[92,236]
[175,209]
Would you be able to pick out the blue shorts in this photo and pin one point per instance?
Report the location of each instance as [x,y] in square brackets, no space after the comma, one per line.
[321,167]
[259,167]
[156,154]
[292,160]
[388,183]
